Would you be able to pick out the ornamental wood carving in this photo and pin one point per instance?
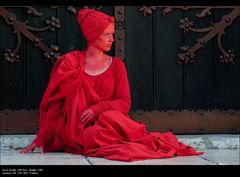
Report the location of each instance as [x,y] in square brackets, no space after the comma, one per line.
[216,29]
[22,28]
[51,52]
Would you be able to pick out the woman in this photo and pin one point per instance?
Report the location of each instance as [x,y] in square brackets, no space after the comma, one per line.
[85,107]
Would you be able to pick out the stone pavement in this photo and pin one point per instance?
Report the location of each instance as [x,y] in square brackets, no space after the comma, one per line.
[220,149]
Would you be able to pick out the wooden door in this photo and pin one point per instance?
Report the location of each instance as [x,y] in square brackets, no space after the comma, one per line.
[167,95]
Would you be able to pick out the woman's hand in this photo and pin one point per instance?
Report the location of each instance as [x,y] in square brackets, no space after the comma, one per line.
[87,117]
[31,148]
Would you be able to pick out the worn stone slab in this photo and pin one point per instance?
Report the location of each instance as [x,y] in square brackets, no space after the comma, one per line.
[215,141]
[15,141]
[15,158]
[201,142]
[222,156]
[186,160]
[210,157]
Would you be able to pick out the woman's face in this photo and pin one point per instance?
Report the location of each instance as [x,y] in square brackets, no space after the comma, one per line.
[105,39]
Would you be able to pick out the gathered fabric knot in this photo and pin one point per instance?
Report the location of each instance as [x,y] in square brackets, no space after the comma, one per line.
[82,14]
[111,19]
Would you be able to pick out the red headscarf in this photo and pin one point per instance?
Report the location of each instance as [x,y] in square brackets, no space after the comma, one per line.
[93,22]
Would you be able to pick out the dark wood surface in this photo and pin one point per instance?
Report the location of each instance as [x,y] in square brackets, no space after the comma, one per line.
[139,58]
[12,79]
[168,74]
[198,76]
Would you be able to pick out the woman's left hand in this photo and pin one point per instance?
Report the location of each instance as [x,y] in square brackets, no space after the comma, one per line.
[87,117]
[31,148]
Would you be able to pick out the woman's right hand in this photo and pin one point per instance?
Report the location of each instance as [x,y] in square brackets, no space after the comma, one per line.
[87,117]
[31,148]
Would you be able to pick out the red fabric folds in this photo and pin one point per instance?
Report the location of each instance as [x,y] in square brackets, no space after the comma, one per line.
[114,135]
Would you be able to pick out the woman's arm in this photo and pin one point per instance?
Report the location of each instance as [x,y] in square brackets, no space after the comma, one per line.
[47,129]
[48,126]
[121,100]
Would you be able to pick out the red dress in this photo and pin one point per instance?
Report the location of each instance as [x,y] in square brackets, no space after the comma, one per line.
[114,135]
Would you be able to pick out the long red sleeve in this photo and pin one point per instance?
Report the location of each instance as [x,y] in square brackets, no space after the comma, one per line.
[47,128]
[121,100]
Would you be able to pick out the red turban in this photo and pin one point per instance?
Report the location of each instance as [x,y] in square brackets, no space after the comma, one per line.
[93,22]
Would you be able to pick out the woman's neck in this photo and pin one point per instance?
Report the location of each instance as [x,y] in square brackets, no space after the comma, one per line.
[93,54]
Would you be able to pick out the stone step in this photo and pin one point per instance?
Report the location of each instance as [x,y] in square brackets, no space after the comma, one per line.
[200,142]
